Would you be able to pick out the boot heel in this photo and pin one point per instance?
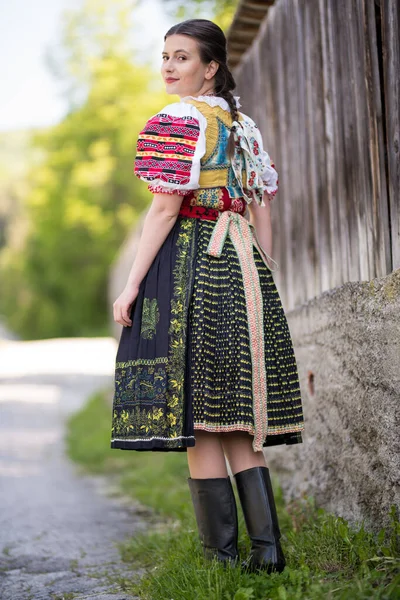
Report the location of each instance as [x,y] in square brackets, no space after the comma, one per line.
[216,516]
[259,510]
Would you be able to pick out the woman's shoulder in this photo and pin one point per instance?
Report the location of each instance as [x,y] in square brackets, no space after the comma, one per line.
[177,119]
[247,120]
[180,109]
[250,128]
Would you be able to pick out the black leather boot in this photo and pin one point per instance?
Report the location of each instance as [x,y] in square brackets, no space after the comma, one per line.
[216,515]
[259,510]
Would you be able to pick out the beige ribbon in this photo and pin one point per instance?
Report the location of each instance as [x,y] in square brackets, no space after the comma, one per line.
[243,237]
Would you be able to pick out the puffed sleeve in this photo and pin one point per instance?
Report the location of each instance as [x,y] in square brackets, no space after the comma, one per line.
[169,149]
[269,174]
[250,154]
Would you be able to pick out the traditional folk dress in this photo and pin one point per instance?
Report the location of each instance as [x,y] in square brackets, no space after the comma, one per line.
[209,347]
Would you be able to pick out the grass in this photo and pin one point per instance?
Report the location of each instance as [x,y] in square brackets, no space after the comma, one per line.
[326,558]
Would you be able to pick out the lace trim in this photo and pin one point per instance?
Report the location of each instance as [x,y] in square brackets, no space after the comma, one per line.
[160,189]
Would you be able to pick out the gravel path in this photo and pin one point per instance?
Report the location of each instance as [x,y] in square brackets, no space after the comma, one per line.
[57,528]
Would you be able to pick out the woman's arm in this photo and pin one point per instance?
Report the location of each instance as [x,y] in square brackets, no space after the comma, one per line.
[260,218]
[159,221]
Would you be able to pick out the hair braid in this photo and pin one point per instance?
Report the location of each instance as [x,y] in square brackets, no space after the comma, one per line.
[224,83]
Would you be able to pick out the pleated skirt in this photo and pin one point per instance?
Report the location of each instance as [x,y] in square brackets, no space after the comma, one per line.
[186,362]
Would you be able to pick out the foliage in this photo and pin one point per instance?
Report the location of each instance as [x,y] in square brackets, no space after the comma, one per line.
[326,558]
[219,11]
[80,197]
[99,28]
[83,198]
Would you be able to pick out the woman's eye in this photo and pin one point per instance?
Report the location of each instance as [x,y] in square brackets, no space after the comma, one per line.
[182,57]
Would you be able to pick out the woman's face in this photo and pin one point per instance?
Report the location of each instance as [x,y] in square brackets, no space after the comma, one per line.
[183,71]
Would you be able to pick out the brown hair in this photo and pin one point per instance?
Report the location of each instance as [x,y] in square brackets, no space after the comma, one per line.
[212,46]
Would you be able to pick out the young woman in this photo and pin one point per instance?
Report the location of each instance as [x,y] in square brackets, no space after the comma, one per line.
[205,362]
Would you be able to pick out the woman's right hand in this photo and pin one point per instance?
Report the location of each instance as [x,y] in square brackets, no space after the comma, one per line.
[123,305]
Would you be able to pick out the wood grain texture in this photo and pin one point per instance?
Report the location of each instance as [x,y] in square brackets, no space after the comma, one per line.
[321,80]
[390,14]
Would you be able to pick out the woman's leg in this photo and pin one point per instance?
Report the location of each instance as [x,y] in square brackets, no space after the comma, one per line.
[238,449]
[206,459]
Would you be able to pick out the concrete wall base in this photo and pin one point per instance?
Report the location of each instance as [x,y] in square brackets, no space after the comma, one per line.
[347,344]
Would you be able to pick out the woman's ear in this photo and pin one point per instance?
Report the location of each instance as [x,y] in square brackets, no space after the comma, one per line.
[211,69]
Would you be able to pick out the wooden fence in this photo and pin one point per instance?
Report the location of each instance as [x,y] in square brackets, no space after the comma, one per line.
[322,81]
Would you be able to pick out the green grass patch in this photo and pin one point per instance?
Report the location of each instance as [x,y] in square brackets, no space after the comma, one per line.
[157,479]
[326,558]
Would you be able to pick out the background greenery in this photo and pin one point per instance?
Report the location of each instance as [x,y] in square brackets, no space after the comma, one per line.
[68,196]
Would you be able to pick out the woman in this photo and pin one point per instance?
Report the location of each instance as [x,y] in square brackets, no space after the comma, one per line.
[205,362]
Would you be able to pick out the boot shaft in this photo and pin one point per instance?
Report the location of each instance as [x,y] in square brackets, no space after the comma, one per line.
[260,515]
[216,516]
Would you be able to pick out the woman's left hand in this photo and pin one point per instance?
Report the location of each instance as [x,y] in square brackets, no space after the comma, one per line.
[123,304]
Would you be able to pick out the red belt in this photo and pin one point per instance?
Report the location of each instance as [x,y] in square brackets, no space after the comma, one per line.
[236,205]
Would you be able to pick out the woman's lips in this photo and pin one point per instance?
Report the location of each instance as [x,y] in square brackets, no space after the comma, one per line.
[171,80]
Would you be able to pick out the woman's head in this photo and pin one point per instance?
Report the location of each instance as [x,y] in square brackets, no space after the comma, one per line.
[194,63]
[201,67]
[183,70]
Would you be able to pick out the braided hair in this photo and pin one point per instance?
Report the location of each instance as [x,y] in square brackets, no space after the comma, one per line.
[212,46]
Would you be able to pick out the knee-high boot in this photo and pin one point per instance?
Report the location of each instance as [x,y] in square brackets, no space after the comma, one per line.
[259,510]
[216,516]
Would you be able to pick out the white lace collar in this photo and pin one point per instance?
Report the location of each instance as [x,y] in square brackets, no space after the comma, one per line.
[214,101]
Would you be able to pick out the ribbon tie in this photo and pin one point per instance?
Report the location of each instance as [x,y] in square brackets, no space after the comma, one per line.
[243,237]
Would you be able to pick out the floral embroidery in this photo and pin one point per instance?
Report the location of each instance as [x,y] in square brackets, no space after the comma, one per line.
[251,178]
[209,197]
[149,393]
[141,380]
[248,155]
[178,325]
[160,189]
[121,424]
[150,318]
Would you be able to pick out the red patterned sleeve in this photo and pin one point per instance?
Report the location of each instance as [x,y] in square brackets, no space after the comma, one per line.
[169,149]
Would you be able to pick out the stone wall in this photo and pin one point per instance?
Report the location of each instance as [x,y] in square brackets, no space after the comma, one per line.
[347,344]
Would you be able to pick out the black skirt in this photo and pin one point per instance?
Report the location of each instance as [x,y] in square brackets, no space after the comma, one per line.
[186,362]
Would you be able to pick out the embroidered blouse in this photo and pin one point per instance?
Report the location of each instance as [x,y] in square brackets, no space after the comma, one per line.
[183,148]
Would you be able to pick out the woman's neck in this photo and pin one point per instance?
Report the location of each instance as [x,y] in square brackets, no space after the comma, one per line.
[209,92]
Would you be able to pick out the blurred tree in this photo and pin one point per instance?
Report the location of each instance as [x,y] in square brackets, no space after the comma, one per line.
[83,197]
[219,11]
[100,28]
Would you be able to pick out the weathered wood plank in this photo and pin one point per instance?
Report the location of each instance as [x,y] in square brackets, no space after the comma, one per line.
[379,206]
[312,80]
[314,196]
[333,270]
[390,11]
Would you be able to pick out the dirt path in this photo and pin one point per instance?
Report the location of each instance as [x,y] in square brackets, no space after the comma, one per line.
[57,528]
